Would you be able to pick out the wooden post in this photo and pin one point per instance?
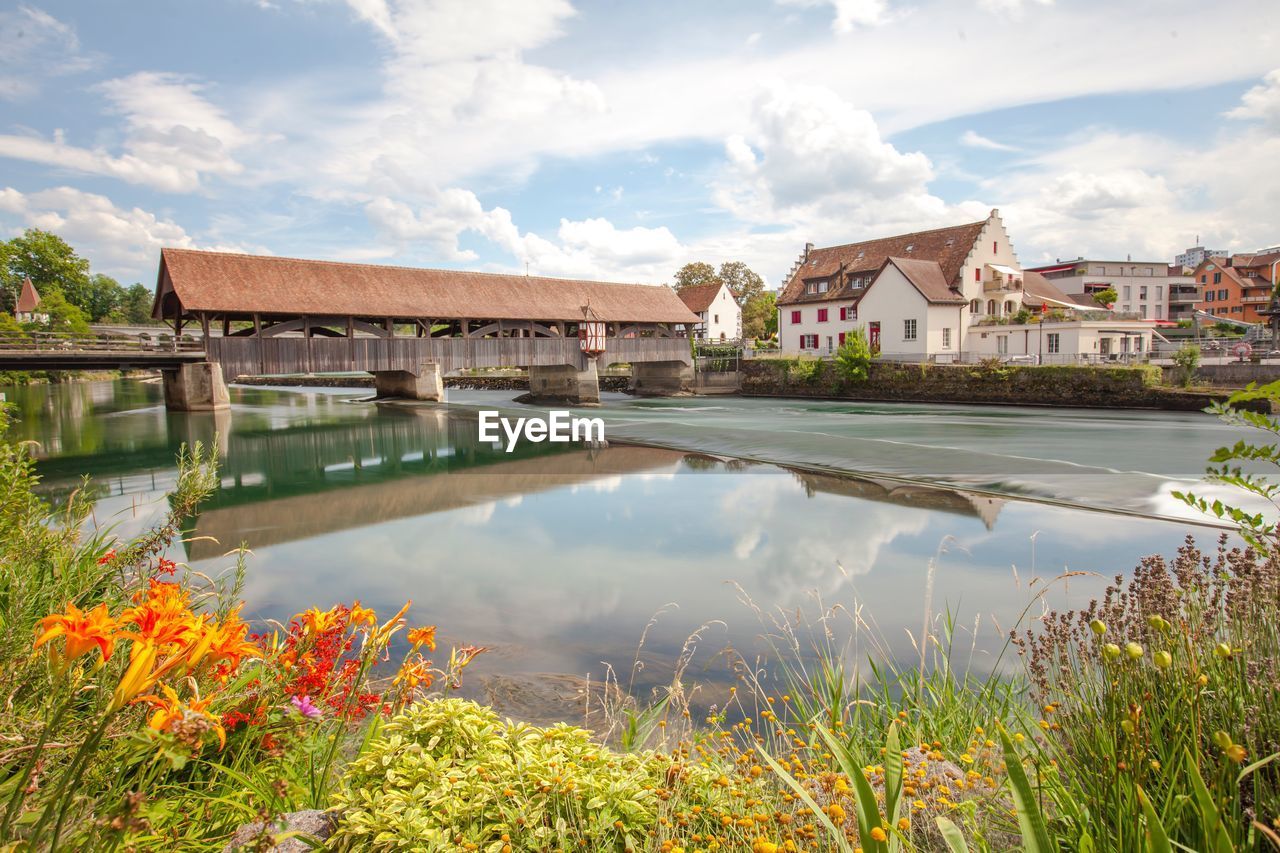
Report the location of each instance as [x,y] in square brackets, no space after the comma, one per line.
[204,325]
[306,337]
[226,326]
[257,334]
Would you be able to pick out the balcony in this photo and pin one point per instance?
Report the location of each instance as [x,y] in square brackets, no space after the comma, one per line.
[1251,299]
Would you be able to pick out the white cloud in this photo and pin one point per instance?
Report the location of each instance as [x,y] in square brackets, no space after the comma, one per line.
[173,136]
[34,46]
[122,242]
[849,14]
[1261,102]
[973,139]
[1011,7]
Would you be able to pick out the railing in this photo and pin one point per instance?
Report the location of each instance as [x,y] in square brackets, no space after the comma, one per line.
[57,343]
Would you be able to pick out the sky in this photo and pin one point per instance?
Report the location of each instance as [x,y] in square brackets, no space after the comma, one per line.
[620,139]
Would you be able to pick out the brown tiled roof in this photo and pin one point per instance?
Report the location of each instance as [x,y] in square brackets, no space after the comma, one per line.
[949,247]
[28,299]
[221,282]
[926,277]
[700,296]
[1036,288]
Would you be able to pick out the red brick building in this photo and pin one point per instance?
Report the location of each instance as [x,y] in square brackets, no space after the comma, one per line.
[1235,287]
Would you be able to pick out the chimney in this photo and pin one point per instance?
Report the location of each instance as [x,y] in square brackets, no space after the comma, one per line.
[808,247]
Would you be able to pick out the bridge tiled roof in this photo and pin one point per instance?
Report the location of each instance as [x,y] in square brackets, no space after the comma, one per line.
[222,282]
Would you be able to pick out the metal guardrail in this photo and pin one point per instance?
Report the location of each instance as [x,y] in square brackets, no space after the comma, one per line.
[55,343]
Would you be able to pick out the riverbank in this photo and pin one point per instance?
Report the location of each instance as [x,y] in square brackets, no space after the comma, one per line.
[1136,387]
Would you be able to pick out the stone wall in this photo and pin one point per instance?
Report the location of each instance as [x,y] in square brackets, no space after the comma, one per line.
[487,383]
[1103,387]
[1231,375]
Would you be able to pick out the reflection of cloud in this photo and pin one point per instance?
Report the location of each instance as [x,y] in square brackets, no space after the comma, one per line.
[477,515]
[1164,503]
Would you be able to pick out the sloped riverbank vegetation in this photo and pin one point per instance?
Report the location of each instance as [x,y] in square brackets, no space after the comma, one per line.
[142,712]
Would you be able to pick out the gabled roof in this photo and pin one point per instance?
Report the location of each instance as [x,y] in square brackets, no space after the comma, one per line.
[28,299]
[948,247]
[926,277]
[221,282]
[1037,290]
[700,296]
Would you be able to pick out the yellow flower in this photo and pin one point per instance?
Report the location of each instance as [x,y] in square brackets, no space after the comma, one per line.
[362,615]
[878,834]
[1133,650]
[170,711]
[316,621]
[82,632]
[138,676]
[395,623]
[1236,753]
[836,813]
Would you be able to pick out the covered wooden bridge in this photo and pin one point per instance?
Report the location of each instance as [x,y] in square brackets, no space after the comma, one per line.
[409,327]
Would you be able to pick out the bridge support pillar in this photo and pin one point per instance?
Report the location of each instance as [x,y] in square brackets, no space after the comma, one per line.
[428,384]
[197,387]
[564,383]
[661,378]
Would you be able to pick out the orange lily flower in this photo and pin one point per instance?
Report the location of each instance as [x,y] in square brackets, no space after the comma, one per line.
[395,623]
[362,615]
[317,621]
[229,643]
[424,636]
[170,710]
[138,676]
[415,672]
[82,631]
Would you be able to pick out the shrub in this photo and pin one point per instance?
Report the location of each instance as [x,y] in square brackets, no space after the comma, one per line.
[853,359]
[803,370]
[449,774]
[1187,359]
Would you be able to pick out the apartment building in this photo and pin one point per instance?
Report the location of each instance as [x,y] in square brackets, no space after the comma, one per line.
[1236,286]
[1142,287]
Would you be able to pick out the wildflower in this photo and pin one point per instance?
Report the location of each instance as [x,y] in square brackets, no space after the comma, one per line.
[1133,650]
[424,636]
[1223,651]
[302,704]
[415,672]
[1236,753]
[107,557]
[1157,623]
[229,644]
[1111,651]
[189,722]
[395,623]
[1128,726]
[1098,627]
[140,675]
[878,834]
[836,813]
[82,631]
[460,658]
[362,615]
[1163,660]
[166,566]
[316,621]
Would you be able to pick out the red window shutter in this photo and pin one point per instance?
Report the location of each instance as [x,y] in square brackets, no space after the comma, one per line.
[795,318]
[977,274]
[842,339]
[995,247]
[822,315]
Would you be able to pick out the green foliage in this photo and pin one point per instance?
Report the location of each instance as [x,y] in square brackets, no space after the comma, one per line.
[449,773]
[853,358]
[1105,298]
[743,282]
[135,305]
[1187,359]
[64,318]
[50,262]
[100,296]
[760,316]
[695,274]
[802,370]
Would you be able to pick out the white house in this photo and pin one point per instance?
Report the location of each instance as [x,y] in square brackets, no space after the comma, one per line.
[931,295]
[718,310]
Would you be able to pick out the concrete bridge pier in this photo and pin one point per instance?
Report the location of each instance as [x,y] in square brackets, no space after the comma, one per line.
[195,387]
[426,384]
[564,383]
[661,378]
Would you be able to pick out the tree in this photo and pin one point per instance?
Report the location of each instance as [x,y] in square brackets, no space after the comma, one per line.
[760,316]
[135,305]
[51,264]
[63,316]
[1187,359]
[695,274]
[745,283]
[1105,298]
[102,295]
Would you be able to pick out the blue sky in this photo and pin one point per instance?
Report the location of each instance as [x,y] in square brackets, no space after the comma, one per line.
[617,139]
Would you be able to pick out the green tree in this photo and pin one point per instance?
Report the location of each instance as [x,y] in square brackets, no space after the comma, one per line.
[1105,297]
[853,358]
[1187,359]
[135,305]
[760,316]
[102,296]
[64,317]
[745,283]
[50,262]
[695,274]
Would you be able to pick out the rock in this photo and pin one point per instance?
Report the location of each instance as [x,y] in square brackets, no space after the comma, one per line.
[311,822]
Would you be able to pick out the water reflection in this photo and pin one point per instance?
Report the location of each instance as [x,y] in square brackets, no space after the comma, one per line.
[557,557]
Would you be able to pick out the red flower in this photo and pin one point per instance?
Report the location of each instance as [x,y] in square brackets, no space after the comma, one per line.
[166,567]
[107,557]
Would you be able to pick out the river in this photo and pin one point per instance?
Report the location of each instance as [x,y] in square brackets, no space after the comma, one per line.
[704,516]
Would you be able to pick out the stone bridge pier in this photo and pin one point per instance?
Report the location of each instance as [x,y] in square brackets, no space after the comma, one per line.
[564,383]
[195,387]
[661,378]
[426,384]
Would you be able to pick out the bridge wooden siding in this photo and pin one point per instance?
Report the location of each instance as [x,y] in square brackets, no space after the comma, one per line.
[252,356]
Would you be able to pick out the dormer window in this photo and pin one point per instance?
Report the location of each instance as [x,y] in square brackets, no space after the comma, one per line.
[822,286]
[910,246]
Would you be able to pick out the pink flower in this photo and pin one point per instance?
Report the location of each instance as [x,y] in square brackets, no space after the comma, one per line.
[304,707]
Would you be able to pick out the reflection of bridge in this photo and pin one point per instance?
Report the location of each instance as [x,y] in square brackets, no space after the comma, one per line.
[923,496]
[408,327]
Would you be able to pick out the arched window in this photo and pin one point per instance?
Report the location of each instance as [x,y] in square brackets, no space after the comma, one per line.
[992,308]
[1008,307]
[975,307]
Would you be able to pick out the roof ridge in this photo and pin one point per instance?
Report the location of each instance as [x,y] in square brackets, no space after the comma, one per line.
[897,236]
[286,258]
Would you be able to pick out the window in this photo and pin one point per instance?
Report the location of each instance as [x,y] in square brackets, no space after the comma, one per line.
[1002,344]
[908,330]
[1055,342]
[822,315]
[808,342]
[1159,292]
[1142,292]
[717,320]
[822,286]
[975,307]
[1204,279]
[1208,296]
[946,338]
[1144,312]
[1217,278]
[1128,292]
[992,309]
[995,247]
[1008,306]
[795,318]
[1222,295]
